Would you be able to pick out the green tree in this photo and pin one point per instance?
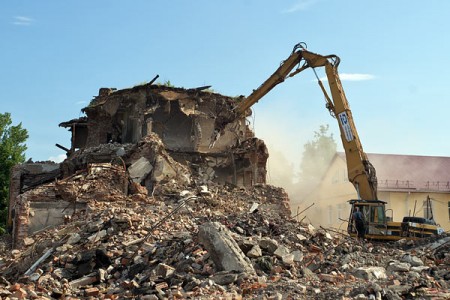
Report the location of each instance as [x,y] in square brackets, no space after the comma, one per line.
[317,155]
[12,152]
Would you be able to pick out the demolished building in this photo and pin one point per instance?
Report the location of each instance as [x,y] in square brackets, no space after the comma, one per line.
[150,204]
[184,120]
[155,133]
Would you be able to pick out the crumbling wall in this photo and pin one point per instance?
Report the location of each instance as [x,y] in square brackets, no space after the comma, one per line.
[40,209]
[26,176]
[55,203]
[183,118]
[244,165]
[186,122]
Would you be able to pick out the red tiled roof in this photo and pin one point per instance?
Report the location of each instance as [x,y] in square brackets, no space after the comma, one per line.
[410,171]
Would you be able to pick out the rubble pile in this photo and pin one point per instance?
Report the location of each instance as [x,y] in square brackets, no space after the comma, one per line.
[159,231]
[172,245]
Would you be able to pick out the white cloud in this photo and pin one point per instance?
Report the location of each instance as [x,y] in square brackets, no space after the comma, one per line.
[58,159]
[300,5]
[352,77]
[22,21]
[80,102]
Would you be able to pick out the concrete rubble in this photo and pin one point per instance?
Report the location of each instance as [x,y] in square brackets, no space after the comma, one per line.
[206,242]
[140,220]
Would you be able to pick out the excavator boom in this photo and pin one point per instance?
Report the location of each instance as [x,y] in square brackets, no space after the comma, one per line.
[360,171]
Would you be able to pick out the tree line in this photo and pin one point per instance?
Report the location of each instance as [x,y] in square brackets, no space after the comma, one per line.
[12,152]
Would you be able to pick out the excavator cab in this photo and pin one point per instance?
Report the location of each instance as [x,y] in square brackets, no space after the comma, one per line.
[379,227]
[375,220]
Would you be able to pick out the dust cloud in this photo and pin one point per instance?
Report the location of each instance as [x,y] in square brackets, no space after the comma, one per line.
[284,171]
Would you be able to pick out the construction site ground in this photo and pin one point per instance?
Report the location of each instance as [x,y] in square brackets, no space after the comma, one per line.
[189,241]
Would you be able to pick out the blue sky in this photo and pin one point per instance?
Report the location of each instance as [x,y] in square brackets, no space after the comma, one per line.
[55,55]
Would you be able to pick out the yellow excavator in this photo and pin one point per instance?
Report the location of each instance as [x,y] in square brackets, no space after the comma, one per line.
[361,172]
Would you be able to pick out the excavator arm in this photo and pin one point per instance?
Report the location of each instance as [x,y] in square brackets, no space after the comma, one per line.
[361,173]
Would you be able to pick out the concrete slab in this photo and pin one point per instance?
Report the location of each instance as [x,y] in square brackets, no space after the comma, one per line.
[140,169]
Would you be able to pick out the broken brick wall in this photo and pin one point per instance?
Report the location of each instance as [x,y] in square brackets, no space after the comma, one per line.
[26,176]
[51,204]
[20,220]
[14,189]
